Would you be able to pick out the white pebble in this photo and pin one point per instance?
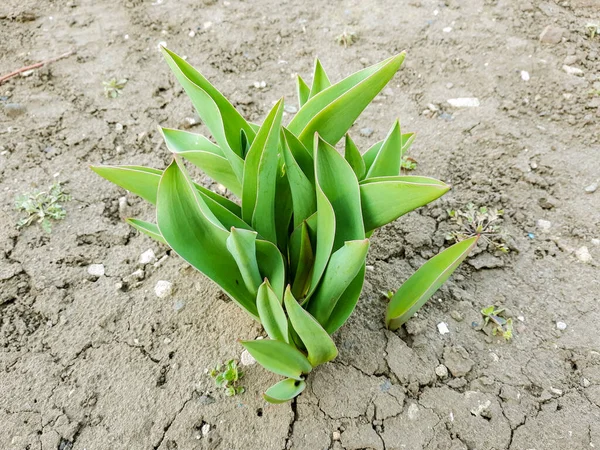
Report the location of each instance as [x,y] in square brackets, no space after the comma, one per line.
[205,429]
[192,34]
[591,188]
[148,257]
[544,225]
[441,371]
[167,340]
[521,318]
[119,127]
[96,270]
[524,75]
[561,326]
[447,29]
[596,241]
[207,25]
[466,102]
[161,261]
[163,288]
[583,254]
[443,328]
[247,359]
[572,70]
[556,391]
[336,435]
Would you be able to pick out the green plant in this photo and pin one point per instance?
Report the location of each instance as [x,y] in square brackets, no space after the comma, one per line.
[41,206]
[482,222]
[227,378]
[593,29]
[292,255]
[113,87]
[347,38]
[501,325]
[408,163]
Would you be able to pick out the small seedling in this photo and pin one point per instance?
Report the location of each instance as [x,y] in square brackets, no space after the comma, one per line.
[113,87]
[41,206]
[501,325]
[479,222]
[593,29]
[227,377]
[408,163]
[347,38]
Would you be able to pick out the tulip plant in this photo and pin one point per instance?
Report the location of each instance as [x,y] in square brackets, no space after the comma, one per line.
[292,252]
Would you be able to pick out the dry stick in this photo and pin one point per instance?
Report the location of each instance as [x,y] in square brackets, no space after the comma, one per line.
[34,66]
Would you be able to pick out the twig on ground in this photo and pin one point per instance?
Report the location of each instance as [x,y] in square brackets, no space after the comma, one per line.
[34,66]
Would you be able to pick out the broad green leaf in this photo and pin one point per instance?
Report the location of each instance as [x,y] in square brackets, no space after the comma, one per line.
[337,181]
[282,204]
[147,228]
[346,303]
[318,343]
[343,267]
[244,143]
[284,391]
[187,225]
[303,91]
[271,313]
[260,176]
[354,158]
[221,118]
[302,156]
[407,141]
[205,155]
[370,155]
[385,199]
[302,264]
[271,265]
[320,80]
[387,162]
[242,246]
[424,282]
[279,357]
[333,111]
[303,192]
[232,120]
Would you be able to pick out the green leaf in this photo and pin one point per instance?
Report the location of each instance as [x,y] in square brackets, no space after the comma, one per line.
[282,205]
[343,267]
[303,192]
[271,313]
[284,391]
[385,199]
[279,357]
[424,282]
[302,156]
[188,226]
[318,343]
[147,228]
[271,265]
[302,263]
[221,118]
[354,158]
[333,111]
[370,155]
[205,155]
[260,176]
[346,303]
[242,246]
[303,91]
[387,162]
[320,80]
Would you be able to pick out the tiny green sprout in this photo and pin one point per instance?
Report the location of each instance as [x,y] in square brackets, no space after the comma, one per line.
[389,294]
[408,163]
[480,221]
[113,87]
[593,29]
[227,378]
[501,325]
[347,38]
[41,206]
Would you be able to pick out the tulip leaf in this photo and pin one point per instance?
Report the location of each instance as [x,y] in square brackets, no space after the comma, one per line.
[271,313]
[304,201]
[320,80]
[271,265]
[318,343]
[279,357]
[193,232]
[242,246]
[385,199]
[346,303]
[343,267]
[302,263]
[147,228]
[387,161]
[303,91]
[370,155]
[284,391]
[425,281]
[354,158]
[302,156]
[260,176]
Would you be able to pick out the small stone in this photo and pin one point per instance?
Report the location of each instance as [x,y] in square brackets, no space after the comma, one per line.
[556,391]
[96,270]
[188,122]
[544,225]
[336,435]
[551,35]
[570,60]
[178,305]
[148,257]
[591,188]
[466,102]
[206,400]
[163,288]
[596,241]
[207,25]
[119,127]
[123,207]
[161,261]
[561,326]
[413,411]
[290,109]
[457,360]
[443,328]
[524,75]
[583,254]
[370,268]
[441,371]
[447,29]
[485,261]
[27,73]
[521,318]
[192,33]
[205,429]
[456,315]
[247,359]
[138,275]
[585,382]
[13,110]
[366,132]
[449,85]
[572,70]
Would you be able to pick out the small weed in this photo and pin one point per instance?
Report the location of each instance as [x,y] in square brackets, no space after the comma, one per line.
[227,377]
[408,163]
[113,87]
[593,29]
[502,325]
[41,206]
[347,38]
[479,221]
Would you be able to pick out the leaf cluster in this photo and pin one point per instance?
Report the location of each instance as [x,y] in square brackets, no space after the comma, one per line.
[42,206]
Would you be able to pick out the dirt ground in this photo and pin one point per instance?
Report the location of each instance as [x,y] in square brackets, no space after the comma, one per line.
[102,363]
